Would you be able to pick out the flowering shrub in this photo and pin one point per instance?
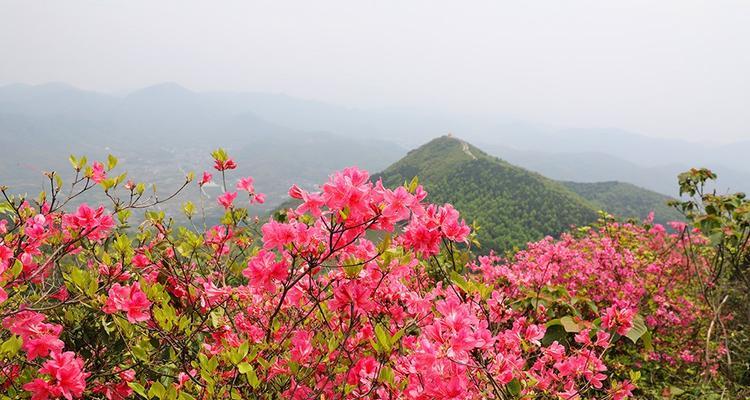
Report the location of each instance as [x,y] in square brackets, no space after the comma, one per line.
[360,292]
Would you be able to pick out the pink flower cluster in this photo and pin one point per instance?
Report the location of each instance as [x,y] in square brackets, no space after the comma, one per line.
[361,291]
[129,299]
[63,370]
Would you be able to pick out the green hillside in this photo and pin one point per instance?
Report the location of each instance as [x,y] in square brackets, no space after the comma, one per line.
[626,200]
[511,205]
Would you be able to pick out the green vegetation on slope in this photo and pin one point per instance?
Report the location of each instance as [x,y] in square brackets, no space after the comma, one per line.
[626,201]
[511,205]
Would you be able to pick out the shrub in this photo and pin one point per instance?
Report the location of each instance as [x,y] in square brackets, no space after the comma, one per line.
[360,292]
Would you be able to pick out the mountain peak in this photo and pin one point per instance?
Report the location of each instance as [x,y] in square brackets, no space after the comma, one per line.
[162,89]
[450,148]
[512,205]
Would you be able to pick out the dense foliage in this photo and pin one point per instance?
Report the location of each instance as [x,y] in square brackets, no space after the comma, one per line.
[360,292]
[725,220]
[626,200]
[512,205]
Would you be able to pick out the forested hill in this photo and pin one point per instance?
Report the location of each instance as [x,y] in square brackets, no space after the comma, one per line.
[626,200]
[511,205]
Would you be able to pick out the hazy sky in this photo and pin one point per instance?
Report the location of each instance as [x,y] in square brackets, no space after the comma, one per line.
[662,68]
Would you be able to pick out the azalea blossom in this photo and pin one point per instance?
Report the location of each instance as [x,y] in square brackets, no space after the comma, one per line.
[361,291]
[98,174]
[207,177]
[129,299]
[226,199]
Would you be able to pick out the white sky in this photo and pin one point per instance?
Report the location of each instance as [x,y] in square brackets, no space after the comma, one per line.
[666,68]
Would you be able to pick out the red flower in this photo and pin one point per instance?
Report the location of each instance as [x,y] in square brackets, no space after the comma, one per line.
[226,199]
[263,268]
[207,177]
[224,165]
[97,172]
[129,299]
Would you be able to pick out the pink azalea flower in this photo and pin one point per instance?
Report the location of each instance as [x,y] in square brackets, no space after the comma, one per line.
[354,294]
[246,184]
[226,199]
[39,338]
[40,389]
[207,177]
[129,299]
[619,319]
[277,235]
[94,223]
[43,342]
[68,376]
[5,255]
[224,165]
[263,268]
[295,192]
[363,371]
[97,172]
[397,203]
[301,346]
[534,334]
[312,204]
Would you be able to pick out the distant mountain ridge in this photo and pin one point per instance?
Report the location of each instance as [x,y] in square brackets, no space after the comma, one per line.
[161,131]
[408,127]
[626,200]
[591,166]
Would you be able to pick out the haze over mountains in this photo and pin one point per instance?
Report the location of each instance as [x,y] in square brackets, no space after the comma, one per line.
[162,131]
[165,114]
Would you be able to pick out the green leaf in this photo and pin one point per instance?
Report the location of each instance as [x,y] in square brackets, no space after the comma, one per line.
[123,216]
[245,368]
[386,374]
[17,268]
[514,387]
[460,281]
[639,329]
[6,208]
[219,154]
[138,388]
[249,372]
[413,184]
[675,391]
[569,324]
[188,208]
[108,183]
[156,390]
[140,353]
[111,162]
[647,342]
[73,161]
[11,346]
[384,338]
[244,349]
[555,332]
